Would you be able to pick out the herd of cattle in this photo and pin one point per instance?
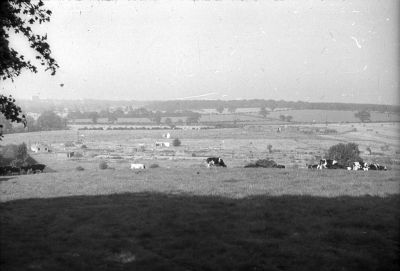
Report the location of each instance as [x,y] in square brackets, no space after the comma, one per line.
[323,164]
[333,164]
[11,170]
[210,162]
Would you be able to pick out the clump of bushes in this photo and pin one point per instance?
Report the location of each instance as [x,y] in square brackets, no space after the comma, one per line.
[83,146]
[69,144]
[385,147]
[345,154]
[78,155]
[103,165]
[79,168]
[176,142]
[154,166]
[265,163]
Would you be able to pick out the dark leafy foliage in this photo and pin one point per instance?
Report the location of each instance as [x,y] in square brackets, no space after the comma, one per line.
[11,112]
[49,120]
[344,153]
[265,163]
[19,16]
[363,115]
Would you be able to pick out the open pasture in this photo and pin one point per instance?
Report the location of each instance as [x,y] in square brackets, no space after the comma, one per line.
[293,146]
[184,216]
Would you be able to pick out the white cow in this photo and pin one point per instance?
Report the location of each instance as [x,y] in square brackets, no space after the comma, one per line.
[138,166]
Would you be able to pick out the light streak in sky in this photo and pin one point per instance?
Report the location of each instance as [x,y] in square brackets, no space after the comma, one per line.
[356,41]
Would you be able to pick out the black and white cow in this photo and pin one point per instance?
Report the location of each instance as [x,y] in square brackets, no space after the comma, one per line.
[375,166]
[327,163]
[315,166]
[215,161]
[358,165]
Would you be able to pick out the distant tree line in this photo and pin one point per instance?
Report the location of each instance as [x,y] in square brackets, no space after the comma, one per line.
[153,116]
[47,121]
[271,104]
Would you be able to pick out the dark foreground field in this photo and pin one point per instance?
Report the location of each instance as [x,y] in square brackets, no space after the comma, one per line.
[149,231]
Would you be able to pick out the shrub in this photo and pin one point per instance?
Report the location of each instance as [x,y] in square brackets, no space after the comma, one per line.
[22,151]
[269,147]
[385,147]
[79,168]
[78,155]
[83,146]
[69,144]
[17,162]
[103,165]
[154,166]
[345,154]
[176,142]
[266,163]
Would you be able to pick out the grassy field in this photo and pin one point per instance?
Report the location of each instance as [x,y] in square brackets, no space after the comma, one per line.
[233,183]
[151,231]
[183,216]
[294,146]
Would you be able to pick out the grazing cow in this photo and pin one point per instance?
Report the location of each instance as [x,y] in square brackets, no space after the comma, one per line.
[215,161]
[327,163]
[358,165]
[138,166]
[312,166]
[382,167]
[375,166]
[37,167]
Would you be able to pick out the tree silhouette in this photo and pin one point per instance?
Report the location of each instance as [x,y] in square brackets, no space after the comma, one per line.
[363,115]
[232,109]
[263,112]
[220,109]
[19,16]
[49,120]
[94,116]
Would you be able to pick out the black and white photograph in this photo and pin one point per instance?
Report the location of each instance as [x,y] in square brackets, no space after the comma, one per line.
[197,135]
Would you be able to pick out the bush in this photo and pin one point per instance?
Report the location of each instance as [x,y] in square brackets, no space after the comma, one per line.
[83,146]
[265,163]
[79,168]
[176,142]
[69,144]
[154,166]
[385,147]
[103,165]
[269,147]
[345,154]
[17,163]
[22,151]
[78,155]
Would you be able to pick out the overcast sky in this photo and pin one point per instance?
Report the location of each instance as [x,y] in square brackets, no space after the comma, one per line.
[320,51]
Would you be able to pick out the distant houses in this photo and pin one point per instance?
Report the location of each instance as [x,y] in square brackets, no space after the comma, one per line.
[39,147]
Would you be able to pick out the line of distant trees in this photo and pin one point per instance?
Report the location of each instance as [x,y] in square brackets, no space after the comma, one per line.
[47,121]
[271,104]
[113,116]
